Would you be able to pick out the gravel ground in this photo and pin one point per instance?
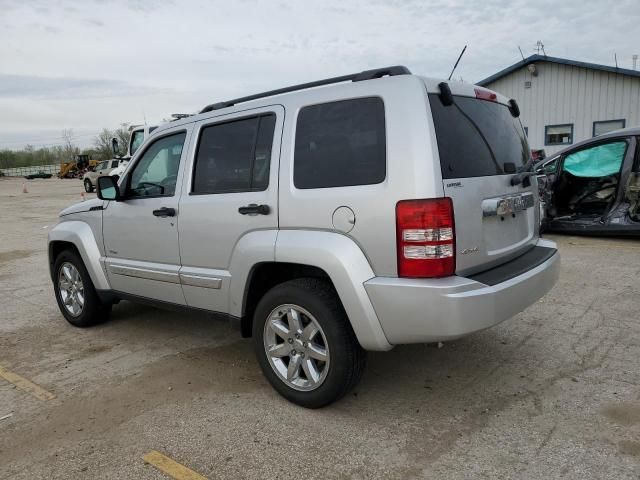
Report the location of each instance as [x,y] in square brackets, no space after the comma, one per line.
[552,393]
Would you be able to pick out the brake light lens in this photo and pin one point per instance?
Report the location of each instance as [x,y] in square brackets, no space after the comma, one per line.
[425,238]
[483,94]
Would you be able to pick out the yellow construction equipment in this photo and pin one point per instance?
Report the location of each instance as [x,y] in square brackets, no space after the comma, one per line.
[76,167]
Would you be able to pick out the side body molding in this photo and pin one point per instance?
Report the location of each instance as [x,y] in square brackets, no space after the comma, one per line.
[345,263]
[80,234]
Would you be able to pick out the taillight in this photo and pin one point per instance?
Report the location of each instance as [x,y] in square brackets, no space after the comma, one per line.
[425,238]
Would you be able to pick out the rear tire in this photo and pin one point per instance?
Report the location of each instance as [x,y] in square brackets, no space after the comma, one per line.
[309,320]
[76,296]
[88,186]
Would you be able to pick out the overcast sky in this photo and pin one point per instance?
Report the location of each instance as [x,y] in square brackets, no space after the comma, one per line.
[91,64]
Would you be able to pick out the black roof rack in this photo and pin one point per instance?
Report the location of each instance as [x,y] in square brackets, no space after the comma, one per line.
[354,77]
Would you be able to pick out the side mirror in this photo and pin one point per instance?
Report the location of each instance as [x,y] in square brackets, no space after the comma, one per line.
[115,147]
[108,189]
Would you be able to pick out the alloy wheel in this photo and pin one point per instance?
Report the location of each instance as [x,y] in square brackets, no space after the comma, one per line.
[296,347]
[71,288]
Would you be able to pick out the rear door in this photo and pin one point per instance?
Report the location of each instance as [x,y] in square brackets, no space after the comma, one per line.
[232,191]
[481,145]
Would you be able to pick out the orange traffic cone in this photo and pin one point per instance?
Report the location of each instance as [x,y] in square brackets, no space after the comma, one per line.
[24,188]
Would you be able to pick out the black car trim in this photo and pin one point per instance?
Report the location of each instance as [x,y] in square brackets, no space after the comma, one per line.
[522,264]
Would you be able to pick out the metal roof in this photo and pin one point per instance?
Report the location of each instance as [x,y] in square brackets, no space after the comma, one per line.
[561,61]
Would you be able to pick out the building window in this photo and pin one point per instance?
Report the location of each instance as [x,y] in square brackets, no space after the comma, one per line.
[558,134]
[606,126]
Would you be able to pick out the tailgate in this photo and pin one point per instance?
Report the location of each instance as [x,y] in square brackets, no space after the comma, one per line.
[478,142]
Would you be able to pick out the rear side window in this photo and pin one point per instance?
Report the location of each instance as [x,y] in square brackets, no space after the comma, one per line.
[477,137]
[234,156]
[340,144]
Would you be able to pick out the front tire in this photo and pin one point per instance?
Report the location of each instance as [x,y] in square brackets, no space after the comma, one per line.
[304,343]
[88,186]
[76,296]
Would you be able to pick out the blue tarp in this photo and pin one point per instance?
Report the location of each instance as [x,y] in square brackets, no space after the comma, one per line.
[599,161]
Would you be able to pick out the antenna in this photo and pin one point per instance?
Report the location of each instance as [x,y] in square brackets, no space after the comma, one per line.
[521,54]
[635,60]
[615,57]
[540,46]
[457,61]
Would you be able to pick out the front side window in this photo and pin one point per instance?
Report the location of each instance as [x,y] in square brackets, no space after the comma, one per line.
[234,156]
[551,167]
[115,163]
[558,134]
[606,126]
[156,173]
[340,144]
[136,140]
[599,161]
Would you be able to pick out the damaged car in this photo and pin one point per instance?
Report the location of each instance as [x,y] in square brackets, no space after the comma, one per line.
[593,187]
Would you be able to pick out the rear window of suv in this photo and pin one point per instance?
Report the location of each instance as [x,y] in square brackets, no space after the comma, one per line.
[477,137]
[340,144]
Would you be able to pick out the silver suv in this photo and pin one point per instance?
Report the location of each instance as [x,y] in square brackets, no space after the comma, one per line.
[383,208]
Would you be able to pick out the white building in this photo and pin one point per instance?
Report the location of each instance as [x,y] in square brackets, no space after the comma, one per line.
[565,101]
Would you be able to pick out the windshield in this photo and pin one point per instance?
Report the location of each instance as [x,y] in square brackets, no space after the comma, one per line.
[477,137]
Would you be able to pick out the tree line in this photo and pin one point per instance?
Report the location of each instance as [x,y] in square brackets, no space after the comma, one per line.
[33,156]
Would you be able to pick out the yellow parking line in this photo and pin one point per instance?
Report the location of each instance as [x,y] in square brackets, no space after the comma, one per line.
[171,468]
[24,384]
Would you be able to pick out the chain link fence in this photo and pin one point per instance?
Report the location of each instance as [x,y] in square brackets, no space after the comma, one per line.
[53,169]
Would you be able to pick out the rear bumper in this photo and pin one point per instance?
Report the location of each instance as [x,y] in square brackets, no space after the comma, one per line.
[430,310]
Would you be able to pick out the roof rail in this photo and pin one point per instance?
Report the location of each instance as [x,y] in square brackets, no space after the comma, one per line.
[354,77]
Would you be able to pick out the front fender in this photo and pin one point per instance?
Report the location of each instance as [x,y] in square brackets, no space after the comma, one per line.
[81,236]
[345,263]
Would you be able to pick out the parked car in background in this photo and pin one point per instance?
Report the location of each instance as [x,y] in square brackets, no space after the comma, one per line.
[39,174]
[593,186]
[382,209]
[90,178]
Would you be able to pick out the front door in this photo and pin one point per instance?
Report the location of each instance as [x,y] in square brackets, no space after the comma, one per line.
[141,231]
[232,194]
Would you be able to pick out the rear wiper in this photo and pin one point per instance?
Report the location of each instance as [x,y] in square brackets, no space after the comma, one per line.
[518,178]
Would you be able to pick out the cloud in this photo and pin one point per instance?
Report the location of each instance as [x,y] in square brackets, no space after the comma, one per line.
[94,64]
[34,87]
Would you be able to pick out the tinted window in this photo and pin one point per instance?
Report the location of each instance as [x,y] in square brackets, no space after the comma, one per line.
[155,174]
[114,163]
[477,137]
[234,156]
[340,144]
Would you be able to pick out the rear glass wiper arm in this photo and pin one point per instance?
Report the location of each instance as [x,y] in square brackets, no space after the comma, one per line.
[519,177]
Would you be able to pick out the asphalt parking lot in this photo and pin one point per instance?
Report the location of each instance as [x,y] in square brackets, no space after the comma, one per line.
[552,393]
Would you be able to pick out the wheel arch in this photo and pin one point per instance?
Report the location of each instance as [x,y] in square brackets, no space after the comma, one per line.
[78,236]
[302,253]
